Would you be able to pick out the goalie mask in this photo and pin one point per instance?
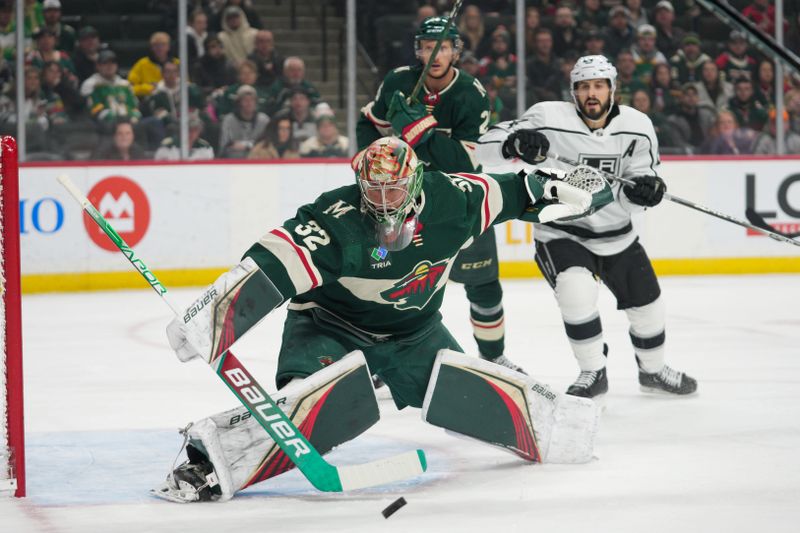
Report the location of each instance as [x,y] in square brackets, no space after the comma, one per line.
[593,68]
[390,178]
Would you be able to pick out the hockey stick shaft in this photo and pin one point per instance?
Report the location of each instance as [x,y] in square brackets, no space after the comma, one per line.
[425,69]
[253,396]
[686,203]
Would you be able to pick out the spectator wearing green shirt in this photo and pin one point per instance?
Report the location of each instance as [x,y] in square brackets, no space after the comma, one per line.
[110,96]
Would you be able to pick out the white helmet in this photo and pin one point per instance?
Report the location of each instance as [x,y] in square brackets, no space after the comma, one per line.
[592,68]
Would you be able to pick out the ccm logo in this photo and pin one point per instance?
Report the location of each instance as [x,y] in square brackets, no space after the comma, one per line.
[200,304]
[476,265]
[268,411]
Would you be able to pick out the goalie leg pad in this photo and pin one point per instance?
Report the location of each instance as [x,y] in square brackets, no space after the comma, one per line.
[508,409]
[329,407]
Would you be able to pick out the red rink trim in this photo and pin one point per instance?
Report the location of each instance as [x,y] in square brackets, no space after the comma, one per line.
[486,213]
[315,282]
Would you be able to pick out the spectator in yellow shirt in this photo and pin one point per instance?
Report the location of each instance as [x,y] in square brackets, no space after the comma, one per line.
[146,72]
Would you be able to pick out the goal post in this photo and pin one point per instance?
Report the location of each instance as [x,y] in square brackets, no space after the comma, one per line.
[12,433]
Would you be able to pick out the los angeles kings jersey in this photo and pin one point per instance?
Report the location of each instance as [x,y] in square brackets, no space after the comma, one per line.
[461,108]
[327,255]
[627,147]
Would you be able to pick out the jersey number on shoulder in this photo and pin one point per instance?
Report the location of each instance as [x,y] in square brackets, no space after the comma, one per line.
[312,235]
[461,183]
[485,123]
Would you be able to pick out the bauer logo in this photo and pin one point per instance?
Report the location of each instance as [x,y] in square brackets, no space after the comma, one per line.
[126,207]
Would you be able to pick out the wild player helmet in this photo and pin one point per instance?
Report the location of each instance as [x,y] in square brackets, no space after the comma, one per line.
[592,68]
[431,30]
[390,177]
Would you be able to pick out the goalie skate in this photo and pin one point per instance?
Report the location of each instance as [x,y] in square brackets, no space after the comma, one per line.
[193,481]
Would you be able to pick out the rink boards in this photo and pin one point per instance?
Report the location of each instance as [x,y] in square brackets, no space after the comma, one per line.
[189,222]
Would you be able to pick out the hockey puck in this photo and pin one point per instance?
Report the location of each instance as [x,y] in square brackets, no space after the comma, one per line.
[394,506]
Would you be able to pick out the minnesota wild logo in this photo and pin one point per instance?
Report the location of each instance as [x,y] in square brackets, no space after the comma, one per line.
[417,288]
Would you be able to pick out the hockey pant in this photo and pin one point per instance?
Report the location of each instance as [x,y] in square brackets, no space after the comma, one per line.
[574,273]
[477,268]
[329,407]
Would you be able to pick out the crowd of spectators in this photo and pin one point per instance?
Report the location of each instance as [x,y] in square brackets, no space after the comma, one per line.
[707,92]
[245,99]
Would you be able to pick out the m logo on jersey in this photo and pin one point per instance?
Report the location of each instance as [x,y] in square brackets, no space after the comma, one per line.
[605,162]
[338,209]
[417,288]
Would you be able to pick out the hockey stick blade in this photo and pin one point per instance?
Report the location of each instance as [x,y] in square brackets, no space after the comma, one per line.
[766,229]
[757,220]
[324,476]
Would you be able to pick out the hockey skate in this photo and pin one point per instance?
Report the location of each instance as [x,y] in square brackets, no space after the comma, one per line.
[590,384]
[506,362]
[193,481]
[667,381]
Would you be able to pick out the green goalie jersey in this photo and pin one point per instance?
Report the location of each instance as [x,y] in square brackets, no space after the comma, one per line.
[327,255]
[461,108]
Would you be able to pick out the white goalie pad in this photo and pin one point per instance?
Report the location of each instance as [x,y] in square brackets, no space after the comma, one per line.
[465,390]
[240,450]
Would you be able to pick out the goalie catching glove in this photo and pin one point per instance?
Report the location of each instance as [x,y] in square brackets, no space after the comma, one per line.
[411,122]
[237,301]
[559,195]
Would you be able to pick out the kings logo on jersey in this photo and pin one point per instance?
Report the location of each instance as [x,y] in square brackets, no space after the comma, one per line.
[416,289]
[604,162]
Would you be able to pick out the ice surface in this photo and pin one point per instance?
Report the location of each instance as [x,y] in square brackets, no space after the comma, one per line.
[104,396]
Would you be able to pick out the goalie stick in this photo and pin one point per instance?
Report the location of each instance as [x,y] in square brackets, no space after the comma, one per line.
[323,475]
[766,229]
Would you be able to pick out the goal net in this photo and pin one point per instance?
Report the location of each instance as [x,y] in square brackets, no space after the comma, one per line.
[12,439]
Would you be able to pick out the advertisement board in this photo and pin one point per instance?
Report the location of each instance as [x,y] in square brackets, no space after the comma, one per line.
[192,221]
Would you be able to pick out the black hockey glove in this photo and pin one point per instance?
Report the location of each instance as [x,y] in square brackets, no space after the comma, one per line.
[648,190]
[529,145]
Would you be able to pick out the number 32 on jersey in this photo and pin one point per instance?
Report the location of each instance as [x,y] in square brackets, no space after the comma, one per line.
[312,235]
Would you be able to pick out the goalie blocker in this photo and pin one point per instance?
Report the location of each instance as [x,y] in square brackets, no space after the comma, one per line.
[229,451]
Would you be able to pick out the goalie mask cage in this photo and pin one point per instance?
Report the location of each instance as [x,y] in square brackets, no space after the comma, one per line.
[12,439]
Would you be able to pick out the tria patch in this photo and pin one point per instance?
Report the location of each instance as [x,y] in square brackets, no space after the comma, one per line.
[379,253]
[416,289]
[325,360]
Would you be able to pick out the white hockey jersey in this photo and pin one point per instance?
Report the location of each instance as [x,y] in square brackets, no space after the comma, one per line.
[627,147]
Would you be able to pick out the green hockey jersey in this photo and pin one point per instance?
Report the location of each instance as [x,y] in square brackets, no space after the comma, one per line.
[461,108]
[328,256]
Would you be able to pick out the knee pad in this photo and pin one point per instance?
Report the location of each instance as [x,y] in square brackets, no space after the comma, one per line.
[505,408]
[576,292]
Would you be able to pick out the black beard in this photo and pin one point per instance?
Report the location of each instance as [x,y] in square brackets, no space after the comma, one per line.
[596,116]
